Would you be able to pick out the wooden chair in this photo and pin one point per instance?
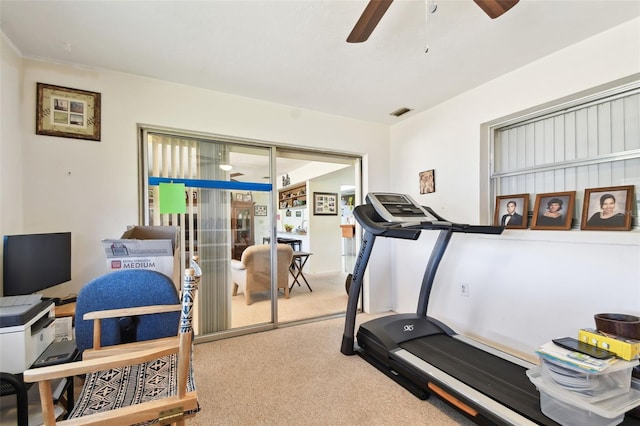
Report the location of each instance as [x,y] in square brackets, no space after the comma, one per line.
[160,387]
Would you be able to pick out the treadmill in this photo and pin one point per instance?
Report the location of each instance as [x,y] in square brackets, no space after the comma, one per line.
[421,353]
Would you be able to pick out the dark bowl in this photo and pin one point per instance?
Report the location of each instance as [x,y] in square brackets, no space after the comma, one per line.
[619,324]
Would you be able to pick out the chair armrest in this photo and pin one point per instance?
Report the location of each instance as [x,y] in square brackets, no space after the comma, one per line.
[99,364]
[125,312]
[236,264]
[125,348]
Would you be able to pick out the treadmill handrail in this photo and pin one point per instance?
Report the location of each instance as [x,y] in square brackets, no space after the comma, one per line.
[371,221]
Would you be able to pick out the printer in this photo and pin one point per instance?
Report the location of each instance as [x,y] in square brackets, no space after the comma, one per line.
[25,332]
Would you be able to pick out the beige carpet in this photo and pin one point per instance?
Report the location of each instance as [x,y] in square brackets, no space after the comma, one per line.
[328,297]
[297,376]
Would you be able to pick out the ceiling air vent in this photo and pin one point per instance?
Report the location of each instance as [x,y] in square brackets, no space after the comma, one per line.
[399,112]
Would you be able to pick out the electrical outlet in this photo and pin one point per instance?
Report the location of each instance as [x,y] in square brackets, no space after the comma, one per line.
[464,289]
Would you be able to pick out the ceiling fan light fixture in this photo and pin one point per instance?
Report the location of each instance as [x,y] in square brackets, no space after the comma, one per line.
[401,111]
[225,167]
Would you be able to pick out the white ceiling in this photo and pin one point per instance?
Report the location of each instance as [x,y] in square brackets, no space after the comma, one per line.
[294,52]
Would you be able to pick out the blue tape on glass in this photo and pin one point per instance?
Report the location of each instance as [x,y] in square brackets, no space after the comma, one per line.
[213,184]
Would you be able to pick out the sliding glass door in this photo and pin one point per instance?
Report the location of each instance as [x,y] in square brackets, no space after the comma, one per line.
[243,203]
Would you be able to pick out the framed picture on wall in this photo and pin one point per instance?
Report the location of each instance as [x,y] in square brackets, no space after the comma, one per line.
[607,208]
[553,210]
[427,181]
[325,203]
[68,113]
[511,211]
[260,210]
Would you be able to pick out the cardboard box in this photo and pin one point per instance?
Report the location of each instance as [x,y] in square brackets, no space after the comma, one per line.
[627,349]
[146,247]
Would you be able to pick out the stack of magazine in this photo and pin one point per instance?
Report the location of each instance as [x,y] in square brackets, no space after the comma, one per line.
[588,364]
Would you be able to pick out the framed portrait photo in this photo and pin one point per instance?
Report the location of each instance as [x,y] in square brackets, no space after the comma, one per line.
[512,211]
[259,210]
[553,211]
[607,208]
[325,203]
[68,113]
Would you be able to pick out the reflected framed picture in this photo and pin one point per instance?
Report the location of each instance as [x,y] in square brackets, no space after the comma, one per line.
[260,210]
[69,113]
[325,203]
[553,211]
[511,211]
[607,208]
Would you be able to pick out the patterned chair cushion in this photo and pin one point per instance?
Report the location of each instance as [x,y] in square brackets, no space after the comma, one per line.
[120,387]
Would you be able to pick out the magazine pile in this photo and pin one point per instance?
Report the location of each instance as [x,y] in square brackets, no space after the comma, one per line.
[577,389]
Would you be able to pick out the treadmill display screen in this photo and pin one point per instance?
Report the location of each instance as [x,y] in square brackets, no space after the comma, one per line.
[399,208]
[393,199]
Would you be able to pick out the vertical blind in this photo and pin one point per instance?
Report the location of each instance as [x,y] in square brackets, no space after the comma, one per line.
[203,229]
[587,146]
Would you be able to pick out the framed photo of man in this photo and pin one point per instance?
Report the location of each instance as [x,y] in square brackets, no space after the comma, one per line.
[511,211]
[553,211]
[607,208]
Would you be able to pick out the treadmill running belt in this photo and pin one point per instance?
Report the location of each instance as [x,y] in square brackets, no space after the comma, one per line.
[491,375]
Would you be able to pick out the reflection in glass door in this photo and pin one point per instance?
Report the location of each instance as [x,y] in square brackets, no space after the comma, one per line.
[243,202]
[218,224]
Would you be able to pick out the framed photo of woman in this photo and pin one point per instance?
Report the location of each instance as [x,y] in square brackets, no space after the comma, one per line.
[553,211]
[511,211]
[607,209]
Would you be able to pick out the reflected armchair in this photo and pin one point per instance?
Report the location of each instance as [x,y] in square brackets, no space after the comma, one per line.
[252,273]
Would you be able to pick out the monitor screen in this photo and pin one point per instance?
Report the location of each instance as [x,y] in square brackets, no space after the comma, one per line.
[35,262]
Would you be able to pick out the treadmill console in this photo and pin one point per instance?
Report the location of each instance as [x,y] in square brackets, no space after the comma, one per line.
[399,208]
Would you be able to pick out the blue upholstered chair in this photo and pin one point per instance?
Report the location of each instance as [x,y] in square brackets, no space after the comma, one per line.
[126,289]
[142,382]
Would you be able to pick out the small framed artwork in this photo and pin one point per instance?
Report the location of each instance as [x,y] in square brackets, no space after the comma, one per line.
[511,211]
[260,210]
[608,208]
[427,181]
[68,113]
[553,210]
[239,196]
[325,203]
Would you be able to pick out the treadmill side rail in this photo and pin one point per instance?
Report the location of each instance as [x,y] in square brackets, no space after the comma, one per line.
[476,398]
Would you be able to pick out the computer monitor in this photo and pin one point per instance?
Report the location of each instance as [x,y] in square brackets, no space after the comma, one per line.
[34,262]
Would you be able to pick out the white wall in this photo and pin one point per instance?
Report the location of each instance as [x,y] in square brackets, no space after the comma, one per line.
[91,188]
[325,230]
[11,138]
[526,286]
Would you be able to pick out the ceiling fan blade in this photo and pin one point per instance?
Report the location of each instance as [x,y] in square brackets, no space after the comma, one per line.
[495,8]
[368,20]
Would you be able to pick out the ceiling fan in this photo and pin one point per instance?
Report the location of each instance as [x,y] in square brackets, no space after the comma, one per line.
[376,9]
